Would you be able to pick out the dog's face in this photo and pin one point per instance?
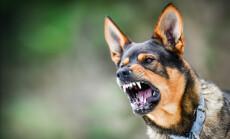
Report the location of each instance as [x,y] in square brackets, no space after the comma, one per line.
[151,73]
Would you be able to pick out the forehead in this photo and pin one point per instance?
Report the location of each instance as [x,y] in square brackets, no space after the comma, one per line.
[151,47]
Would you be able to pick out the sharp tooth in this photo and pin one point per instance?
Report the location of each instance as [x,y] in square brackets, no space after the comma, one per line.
[154,93]
[144,100]
[130,85]
[124,88]
[134,84]
[139,84]
[132,105]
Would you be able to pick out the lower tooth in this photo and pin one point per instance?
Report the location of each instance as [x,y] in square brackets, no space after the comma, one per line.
[139,85]
[154,93]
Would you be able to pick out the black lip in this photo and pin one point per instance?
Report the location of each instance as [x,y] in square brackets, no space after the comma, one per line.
[144,109]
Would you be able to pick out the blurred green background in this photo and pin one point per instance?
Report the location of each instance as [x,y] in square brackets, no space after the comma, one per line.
[57,78]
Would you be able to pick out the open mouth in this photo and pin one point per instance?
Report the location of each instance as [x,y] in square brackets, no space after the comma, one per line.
[143,96]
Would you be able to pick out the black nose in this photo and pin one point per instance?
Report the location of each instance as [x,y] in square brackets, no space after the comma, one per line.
[124,73]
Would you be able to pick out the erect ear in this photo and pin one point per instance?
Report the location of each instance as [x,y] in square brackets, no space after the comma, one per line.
[115,39]
[169,30]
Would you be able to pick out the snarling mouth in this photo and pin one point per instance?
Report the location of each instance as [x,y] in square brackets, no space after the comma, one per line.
[143,96]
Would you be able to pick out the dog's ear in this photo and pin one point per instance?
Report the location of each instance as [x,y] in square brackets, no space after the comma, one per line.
[169,30]
[115,39]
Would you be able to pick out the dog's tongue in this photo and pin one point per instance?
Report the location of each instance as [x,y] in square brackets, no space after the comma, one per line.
[144,94]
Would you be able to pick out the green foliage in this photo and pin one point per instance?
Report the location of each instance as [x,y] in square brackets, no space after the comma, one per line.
[28,118]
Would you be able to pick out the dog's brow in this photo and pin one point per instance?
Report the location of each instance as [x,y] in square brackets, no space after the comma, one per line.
[143,56]
[125,61]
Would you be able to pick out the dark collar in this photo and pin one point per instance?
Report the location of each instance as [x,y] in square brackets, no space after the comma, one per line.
[198,122]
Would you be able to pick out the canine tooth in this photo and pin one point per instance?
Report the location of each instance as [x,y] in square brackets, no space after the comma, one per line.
[134,84]
[139,84]
[130,85]
[154,93]
[124,88]
[132,105]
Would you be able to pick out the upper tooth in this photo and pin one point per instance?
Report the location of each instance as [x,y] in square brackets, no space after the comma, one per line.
[134,84]
[130,85]
[124,88]
[139,84]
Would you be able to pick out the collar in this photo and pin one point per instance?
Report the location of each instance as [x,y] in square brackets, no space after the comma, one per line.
[198,122]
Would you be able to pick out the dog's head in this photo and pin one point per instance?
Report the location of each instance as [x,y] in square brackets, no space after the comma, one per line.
[151,73]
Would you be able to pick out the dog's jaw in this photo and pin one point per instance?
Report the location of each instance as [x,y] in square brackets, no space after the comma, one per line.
[167,112]
[143,96]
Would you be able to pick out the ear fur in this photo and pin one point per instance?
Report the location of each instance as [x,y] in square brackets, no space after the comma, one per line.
[169,30]
[115,39]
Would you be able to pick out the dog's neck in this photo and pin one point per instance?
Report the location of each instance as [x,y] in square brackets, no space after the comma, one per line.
[187,106]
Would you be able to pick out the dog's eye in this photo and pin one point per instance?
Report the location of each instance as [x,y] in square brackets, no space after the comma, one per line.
[148,60]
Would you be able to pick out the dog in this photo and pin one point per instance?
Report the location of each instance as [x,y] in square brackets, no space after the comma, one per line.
[163,88]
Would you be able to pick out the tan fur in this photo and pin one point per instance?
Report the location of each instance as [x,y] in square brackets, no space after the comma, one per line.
[214,103]
[143,56]
[125,61]
[170,11]
[179,86]
[167,112]
[213,127]
[116,51]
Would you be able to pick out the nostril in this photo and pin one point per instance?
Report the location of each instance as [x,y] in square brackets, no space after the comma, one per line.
[123,72]
[127,72]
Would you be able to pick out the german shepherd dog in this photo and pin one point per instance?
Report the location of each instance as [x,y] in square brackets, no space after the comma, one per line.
[162,87]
